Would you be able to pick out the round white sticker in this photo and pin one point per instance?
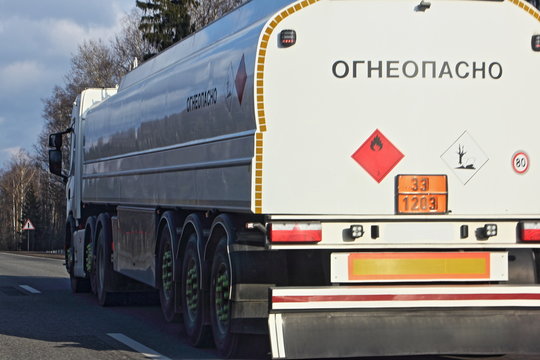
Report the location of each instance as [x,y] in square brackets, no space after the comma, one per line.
[520,162]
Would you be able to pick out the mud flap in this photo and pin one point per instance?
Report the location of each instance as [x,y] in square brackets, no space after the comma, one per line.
[311,323]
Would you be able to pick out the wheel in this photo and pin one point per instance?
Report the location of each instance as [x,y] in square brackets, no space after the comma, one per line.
[166,286]
[220,304]
[68,246]
[89,253]
[229,344]
[104,270]
[192,296]
[78,285]
[91,267]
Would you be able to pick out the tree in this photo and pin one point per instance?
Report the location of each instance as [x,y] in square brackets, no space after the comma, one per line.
[129,45]
[203,12]
[164,22]
[15,183]
[95,64]
[31,211]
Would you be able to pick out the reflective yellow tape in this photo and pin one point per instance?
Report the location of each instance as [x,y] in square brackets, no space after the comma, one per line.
[421,266]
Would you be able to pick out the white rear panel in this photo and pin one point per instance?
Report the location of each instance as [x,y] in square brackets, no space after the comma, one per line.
[459,77]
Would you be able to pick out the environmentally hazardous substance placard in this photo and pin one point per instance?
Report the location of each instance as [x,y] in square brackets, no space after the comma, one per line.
[378,156]
[465,157]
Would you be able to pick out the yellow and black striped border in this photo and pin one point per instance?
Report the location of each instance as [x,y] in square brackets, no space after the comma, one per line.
[527,7]
[259,85]
[259,93]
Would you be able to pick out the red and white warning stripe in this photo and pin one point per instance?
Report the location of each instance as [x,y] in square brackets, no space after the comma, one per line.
[404,297]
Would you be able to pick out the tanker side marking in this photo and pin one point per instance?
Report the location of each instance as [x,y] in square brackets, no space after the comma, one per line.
[528,8]
[259,94]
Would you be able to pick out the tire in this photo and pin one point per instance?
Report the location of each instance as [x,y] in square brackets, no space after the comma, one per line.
[229,344]
[89,253]
[220,305]
[92,272]
[70,229]
[167,291]
[193,308]
[104,270]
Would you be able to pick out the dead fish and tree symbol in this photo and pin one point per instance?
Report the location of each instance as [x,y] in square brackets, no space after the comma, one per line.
[469,164]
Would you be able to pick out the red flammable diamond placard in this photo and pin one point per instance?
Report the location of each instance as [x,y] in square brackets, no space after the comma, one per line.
[377,156]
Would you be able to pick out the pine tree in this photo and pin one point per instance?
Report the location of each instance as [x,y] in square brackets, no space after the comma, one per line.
[203,12]
[164,22]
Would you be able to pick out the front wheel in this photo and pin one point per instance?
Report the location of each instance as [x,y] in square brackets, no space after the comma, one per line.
[78,285]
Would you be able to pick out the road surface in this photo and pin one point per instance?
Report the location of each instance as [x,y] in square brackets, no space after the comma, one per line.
[55,324]
[41,319]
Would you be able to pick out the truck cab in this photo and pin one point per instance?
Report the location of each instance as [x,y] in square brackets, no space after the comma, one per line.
[84,101]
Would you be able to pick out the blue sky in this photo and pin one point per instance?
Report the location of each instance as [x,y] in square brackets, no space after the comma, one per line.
[37,41]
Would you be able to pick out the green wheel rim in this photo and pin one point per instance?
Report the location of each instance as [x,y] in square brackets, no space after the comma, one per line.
[167,272]
[89,258]
[192,288]
[222,302]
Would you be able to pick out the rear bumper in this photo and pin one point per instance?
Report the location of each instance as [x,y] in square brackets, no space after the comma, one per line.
[384,321]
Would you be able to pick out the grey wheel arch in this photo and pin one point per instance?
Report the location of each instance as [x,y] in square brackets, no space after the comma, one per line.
[222,226]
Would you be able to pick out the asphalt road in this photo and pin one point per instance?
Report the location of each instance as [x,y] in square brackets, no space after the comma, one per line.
[41,319]
[56,324]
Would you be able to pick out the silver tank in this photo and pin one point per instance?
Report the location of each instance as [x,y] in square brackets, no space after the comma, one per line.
[180,131]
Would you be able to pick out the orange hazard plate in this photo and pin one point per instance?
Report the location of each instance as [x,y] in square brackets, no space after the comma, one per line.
[421,194]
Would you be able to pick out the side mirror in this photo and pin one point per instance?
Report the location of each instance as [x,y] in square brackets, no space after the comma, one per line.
[55,161]
[55,140]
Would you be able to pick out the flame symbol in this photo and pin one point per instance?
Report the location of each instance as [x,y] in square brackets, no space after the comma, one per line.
[376,144]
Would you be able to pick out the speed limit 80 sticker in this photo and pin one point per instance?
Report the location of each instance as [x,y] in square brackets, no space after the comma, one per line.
[520,162]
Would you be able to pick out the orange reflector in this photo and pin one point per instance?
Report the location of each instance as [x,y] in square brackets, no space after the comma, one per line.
[419,266]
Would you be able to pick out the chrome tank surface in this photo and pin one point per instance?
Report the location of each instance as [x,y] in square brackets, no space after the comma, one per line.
[180,131]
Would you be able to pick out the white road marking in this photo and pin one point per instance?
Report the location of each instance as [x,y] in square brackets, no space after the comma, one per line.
[30,289]
[146,351]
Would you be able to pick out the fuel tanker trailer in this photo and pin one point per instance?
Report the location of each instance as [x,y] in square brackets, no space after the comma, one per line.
[338,178]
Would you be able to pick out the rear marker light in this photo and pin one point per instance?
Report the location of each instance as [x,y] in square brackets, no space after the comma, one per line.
[535,42]
[287,38]
[295,232]
[530,231]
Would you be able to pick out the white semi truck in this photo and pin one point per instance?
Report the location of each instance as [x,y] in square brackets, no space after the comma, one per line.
[341,177]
